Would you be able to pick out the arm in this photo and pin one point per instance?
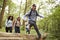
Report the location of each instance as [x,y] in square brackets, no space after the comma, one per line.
[26,15]
[40,15]
[13,23]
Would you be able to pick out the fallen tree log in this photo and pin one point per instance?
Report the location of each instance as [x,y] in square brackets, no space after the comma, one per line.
[17,36]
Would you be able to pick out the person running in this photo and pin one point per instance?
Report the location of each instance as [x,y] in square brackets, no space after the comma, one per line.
[9,24]
[17,25]
[32,16]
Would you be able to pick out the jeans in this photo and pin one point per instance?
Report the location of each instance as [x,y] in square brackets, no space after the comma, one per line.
[32,23]
[8,29]
[17,29]
[27,30]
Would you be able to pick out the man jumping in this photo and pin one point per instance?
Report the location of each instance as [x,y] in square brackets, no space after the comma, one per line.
[32,16]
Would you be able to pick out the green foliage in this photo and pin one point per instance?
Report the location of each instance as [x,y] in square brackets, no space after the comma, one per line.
[1,2]
[51,23]
[56,22]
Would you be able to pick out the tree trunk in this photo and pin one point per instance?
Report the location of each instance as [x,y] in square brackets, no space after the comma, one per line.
[27,7]
[2,12]
[25,11]
[20,8]
[24,14]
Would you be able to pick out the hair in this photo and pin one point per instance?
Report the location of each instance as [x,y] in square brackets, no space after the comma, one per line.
[34,5]
[9,18]
[19,19]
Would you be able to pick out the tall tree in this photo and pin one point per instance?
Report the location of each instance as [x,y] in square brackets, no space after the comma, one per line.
[24,13]
[27,8]
[20,8]
[1,3]
[2,12]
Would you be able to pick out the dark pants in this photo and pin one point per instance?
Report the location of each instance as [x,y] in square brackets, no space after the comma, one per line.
[27,30]
[32,23]
[9,29]
[17,29]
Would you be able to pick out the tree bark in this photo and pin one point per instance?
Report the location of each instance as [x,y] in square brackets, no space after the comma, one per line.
[24,14]
[25,11]
[27,7]
[2,12]
[20,8]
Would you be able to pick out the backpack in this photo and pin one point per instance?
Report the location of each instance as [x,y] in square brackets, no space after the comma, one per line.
[30,21]
[31,12]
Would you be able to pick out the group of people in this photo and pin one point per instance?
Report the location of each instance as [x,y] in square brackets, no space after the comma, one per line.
[31,15]
[10,24]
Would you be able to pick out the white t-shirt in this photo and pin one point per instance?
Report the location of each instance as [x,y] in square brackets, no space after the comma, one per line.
[9,23]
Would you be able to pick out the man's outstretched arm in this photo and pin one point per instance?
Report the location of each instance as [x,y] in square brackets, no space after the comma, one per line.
[40,15]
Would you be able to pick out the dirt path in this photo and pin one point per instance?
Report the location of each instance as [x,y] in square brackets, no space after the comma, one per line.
[16,36]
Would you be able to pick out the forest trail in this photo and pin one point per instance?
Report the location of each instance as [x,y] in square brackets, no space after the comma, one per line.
[16,36]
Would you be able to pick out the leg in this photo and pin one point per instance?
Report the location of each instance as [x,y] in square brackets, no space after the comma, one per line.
[18,29]
[28,31]
[6,29]
[10,29]
[15,29]
[29,28]
[35,27]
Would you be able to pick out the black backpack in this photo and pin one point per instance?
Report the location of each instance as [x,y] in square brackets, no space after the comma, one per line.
[30,21]
[31,12]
